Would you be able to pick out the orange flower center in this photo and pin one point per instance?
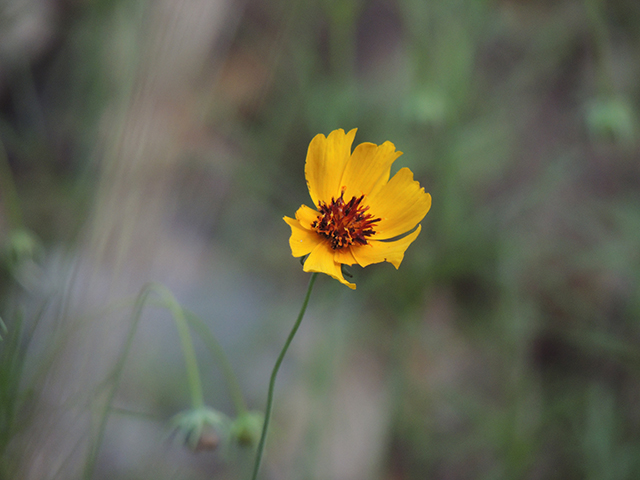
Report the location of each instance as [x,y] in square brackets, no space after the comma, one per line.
[345,224]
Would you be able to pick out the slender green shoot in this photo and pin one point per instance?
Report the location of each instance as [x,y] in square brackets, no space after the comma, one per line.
[274,373]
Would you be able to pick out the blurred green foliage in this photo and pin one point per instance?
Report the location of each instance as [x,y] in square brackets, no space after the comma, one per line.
[510,336]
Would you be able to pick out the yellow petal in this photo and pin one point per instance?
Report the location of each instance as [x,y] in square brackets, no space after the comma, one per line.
[306,216]
[400,205]
[377,252]
[321,260]
[368,169]
[326,161]
[344,255]
[302,240]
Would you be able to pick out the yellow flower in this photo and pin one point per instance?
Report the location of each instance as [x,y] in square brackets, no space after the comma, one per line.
[361,215]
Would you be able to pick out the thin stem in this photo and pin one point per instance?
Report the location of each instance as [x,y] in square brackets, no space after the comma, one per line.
[117,373]
[191,365]
[216,350]
[9,191]
[274,373]
[193,376]
[602,46]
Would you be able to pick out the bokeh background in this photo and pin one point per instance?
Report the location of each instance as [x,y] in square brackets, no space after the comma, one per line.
[165,140]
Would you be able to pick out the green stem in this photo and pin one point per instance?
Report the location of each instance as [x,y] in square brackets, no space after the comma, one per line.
[216,350]
[8,190]
[117,373]
[274,373]
[193,375]
[602,46]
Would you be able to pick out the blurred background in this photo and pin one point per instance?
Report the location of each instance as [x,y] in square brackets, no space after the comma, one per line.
[165,140]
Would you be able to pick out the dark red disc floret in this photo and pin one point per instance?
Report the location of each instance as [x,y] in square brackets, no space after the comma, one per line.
[345,224]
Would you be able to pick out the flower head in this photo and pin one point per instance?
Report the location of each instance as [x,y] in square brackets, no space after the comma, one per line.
[360,215]
[193,428]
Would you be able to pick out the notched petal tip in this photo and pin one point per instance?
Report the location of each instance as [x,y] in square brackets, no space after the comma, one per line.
[325,164]
[401,204]
[385,251]
[368,168]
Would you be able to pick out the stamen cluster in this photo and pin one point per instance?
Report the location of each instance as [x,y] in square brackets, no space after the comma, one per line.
[345,224]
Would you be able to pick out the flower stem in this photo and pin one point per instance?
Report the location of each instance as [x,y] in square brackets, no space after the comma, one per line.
[218,352]
[190,363]
[193,375]
[603,62]
[115,376]
[8,191]
[274,373]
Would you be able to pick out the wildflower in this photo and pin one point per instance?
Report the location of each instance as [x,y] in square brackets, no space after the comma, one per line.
[361,215]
